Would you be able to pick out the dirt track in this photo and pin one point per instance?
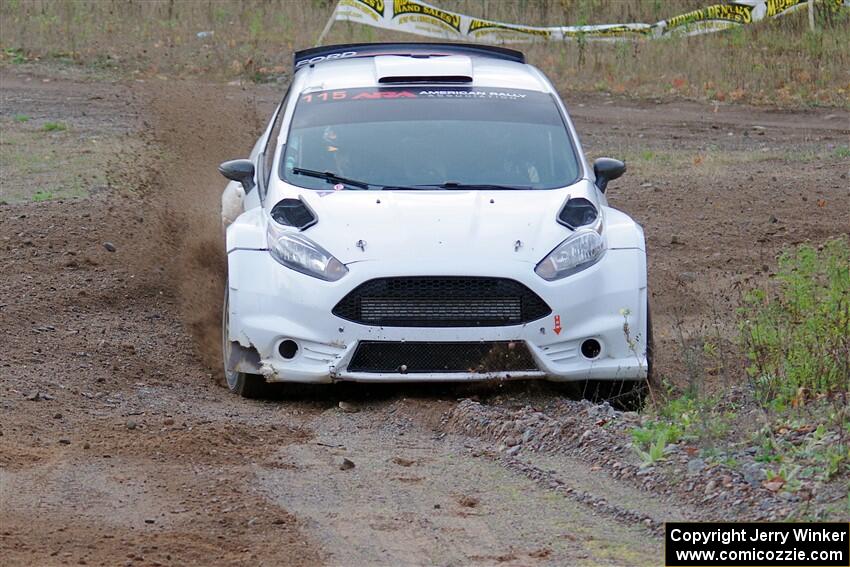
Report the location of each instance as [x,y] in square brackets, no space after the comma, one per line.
[118,443]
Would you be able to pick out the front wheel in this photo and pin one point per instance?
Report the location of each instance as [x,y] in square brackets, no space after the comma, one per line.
[242,383]
[627,395]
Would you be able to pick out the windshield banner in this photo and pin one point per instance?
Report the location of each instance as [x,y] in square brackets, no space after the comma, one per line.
[421,18]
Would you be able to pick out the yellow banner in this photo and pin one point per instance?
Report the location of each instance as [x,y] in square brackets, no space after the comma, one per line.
[421,18]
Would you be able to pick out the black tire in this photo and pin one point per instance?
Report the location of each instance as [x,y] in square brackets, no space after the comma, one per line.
[626,395]
[252,386]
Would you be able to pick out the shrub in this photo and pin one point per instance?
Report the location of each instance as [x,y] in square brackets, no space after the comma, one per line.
[797,334]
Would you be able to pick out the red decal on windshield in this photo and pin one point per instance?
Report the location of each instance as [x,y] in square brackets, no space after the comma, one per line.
[385,94]
[326,95]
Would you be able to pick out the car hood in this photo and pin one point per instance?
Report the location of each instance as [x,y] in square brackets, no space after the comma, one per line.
[357,226]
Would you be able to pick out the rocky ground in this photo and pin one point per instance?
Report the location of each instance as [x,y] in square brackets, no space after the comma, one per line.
[119,445]
[533,437]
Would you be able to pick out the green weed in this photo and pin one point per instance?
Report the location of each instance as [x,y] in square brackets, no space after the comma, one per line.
[652,431]
[22,118]
[654,451]
[15,55]
[797,335]
[54,127]
[687,417]
[42,196]
[788,475]
[768,452]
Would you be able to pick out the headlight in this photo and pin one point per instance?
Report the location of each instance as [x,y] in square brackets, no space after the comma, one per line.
[579,251]
[303,255]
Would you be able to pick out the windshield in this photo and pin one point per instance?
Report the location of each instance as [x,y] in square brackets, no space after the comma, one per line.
[427,137]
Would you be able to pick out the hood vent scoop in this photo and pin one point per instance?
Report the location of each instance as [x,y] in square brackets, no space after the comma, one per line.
[393,69]
[294,212]
[578,212]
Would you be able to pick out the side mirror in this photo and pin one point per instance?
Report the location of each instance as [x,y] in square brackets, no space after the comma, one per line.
[241,170]
[607,169]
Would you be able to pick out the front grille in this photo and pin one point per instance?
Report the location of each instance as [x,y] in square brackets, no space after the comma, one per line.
[441,302]
[433,357]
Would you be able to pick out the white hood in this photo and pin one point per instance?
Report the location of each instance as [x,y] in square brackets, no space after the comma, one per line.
[429,225]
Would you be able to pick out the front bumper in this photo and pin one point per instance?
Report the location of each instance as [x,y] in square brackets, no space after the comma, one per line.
[607,302]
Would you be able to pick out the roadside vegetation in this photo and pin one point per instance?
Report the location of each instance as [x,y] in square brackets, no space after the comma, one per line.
[54,127]
[791,415]
[712,160]
[777,62]
[44,160]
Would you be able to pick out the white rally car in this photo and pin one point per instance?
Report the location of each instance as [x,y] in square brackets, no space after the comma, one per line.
[424,212]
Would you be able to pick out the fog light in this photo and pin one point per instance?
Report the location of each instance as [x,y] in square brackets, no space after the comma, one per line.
[591,348]
[288,349]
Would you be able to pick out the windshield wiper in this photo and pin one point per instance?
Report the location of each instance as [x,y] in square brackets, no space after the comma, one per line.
[404,188]
[451,185]
[330,177]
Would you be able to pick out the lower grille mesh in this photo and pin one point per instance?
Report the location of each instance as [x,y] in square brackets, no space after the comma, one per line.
[439,357]
[446,301]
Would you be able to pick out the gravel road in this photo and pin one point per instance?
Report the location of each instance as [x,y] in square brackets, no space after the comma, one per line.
[120,445]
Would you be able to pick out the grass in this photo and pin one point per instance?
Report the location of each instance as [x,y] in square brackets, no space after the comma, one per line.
[40,196]
[650,444]
[687,417]
[15,55]
[822,455]
[710,161]
[778,62]
[795,333]
[22,118]
[34,163]
[54,127]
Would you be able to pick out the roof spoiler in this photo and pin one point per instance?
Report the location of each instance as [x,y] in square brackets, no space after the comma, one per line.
[349,50]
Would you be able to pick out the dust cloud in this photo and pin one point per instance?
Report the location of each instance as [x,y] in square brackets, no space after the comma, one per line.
[190,129]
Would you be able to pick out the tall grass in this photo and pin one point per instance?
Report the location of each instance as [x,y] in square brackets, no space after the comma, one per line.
[797,334]
[775,62]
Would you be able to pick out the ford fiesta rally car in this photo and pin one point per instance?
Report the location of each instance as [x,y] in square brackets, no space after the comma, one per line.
[424,212]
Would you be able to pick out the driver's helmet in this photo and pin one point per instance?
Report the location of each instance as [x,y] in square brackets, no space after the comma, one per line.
[330,137]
